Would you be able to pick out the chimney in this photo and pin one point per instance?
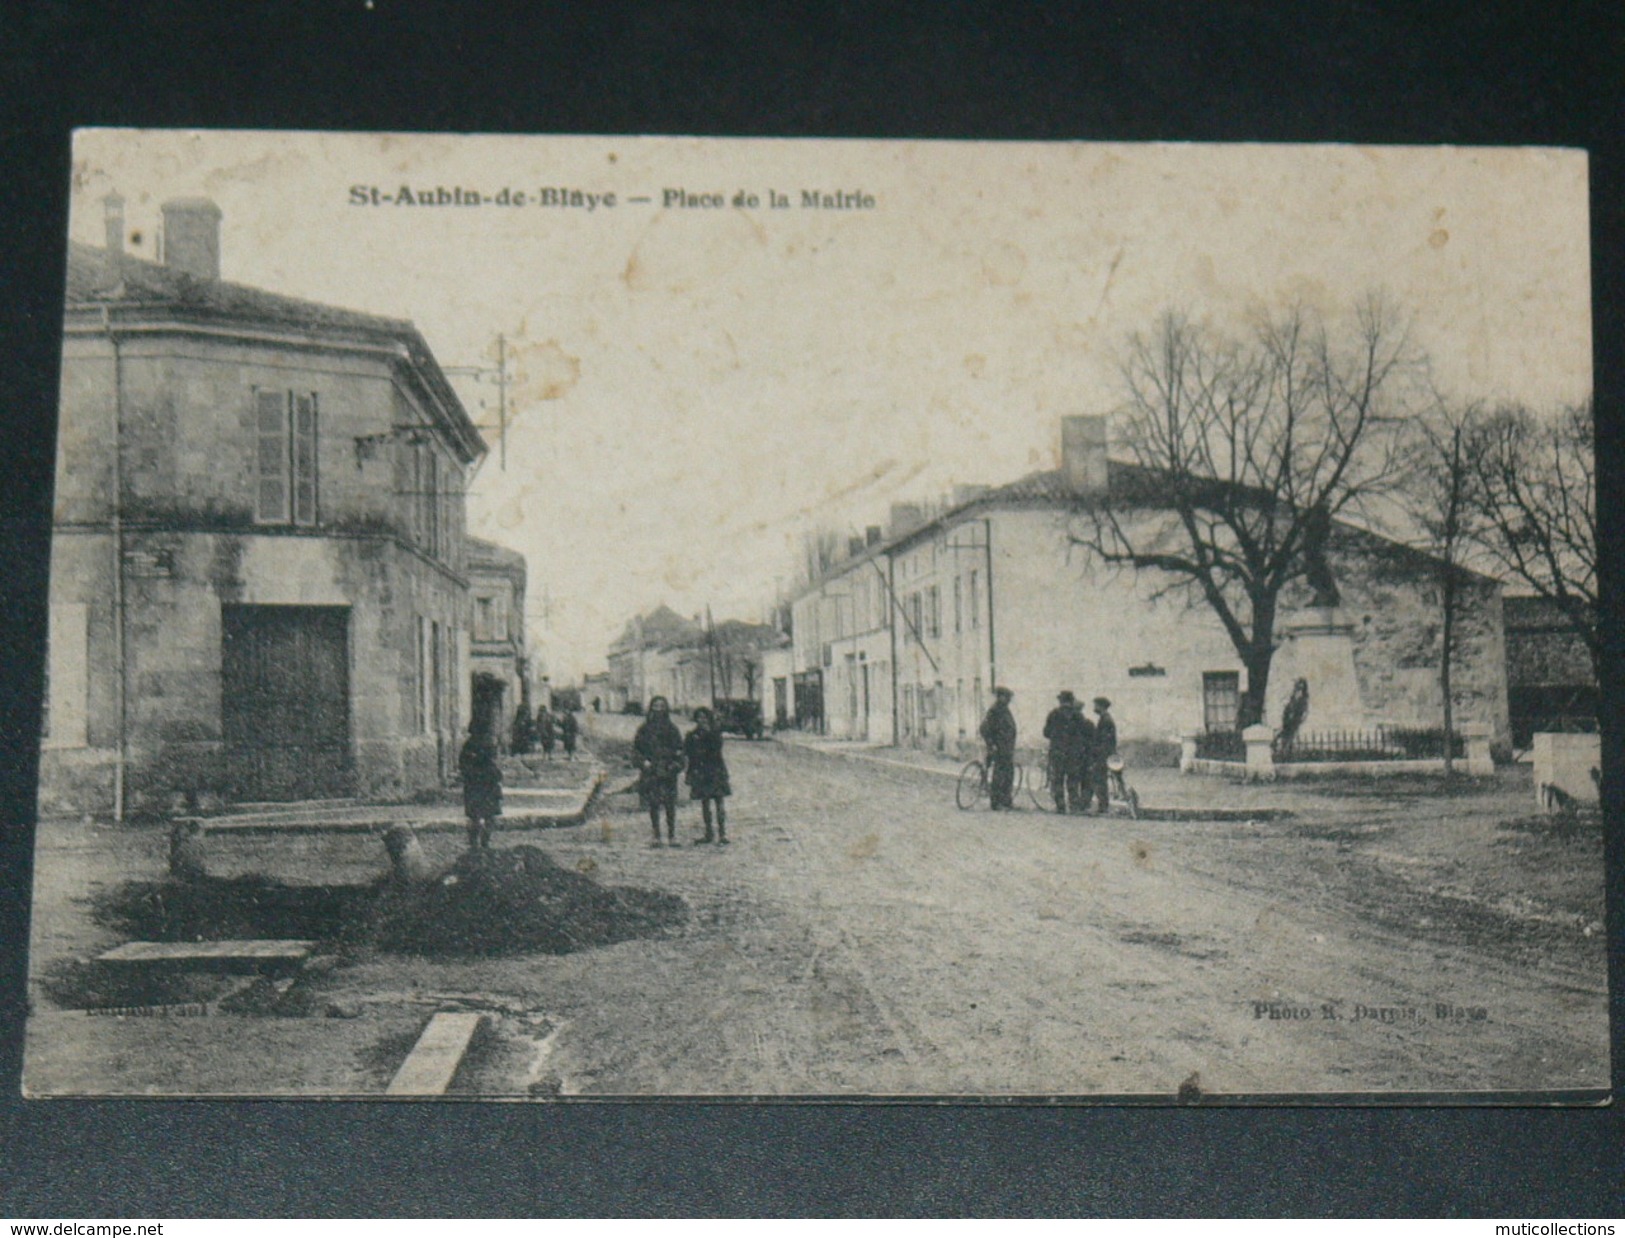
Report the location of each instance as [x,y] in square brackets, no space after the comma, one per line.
[113,206]
[968,494]
[904,516]
[192,237]
[871,535]
[854,547]
[1083,454]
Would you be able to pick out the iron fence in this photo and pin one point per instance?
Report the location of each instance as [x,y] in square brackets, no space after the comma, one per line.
[1221,746]
[1378,743]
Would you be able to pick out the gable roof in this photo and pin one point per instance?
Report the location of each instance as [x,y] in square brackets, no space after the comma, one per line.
[661,628]
[130,286]
[1127,483]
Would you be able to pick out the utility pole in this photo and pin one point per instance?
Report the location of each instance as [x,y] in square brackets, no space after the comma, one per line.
[502,401]
[499,374]
[711,652]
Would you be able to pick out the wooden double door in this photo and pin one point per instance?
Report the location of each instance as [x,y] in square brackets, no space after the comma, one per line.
[285,708]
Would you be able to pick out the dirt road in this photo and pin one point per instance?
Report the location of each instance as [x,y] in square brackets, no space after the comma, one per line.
[861,936]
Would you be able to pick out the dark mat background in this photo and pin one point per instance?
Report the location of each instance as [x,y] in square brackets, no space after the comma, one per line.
[1419,73]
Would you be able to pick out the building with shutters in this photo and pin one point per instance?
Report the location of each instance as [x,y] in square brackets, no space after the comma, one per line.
[258,569]
[498,666]
[903,640]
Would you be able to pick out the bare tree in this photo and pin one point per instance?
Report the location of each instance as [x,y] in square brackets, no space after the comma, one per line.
[820,550]
[1441,496]
[1536,485]
[1248,449]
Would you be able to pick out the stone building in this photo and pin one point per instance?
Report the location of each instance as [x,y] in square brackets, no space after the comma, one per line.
[1551,685]
[641,658]
[904,640]
[687,662]
[500,681]
[258,577]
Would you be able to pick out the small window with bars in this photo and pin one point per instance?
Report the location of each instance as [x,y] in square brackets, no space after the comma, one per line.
[285,457]
[1221,701]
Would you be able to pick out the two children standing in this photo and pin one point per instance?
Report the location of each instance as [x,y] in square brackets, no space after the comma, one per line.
[662,753]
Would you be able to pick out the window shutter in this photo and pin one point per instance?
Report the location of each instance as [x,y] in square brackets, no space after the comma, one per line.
[271,456]
[304,459]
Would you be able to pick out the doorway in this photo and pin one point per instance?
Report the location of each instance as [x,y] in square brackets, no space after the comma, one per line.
[285,701]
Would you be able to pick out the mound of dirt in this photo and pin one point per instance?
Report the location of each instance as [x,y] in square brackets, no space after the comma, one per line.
[515,900]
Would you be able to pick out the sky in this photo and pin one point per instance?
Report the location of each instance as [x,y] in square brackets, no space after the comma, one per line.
[700,380]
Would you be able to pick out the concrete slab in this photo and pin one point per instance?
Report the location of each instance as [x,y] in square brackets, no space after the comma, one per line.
[523,808]
[193,1051]
[429,1068]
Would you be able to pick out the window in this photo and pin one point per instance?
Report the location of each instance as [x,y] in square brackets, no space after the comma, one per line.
[959,604]
[431,518]
[420,698]
[975,603]
[933,610]
[1221,700]
[484,618]
[66,708]
[285,457]
[915,616]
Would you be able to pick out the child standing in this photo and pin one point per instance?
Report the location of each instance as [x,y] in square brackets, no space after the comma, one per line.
[708,773]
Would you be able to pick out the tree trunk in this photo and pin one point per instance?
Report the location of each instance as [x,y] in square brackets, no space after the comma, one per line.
[1256,657]
[1447,641]
[1257,662]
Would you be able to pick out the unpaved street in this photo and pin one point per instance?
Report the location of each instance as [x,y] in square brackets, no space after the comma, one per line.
[862,936]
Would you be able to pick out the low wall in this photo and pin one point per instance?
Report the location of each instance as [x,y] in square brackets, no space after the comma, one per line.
[1567,769]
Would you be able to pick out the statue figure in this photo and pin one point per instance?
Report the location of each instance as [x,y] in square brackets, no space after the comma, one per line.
[1317,528]
[1292,717]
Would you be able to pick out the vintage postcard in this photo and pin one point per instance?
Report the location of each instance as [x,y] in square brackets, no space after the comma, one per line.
[572,617]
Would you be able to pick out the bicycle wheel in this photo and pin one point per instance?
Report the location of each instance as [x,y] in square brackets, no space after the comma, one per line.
[1126,795]
[1039,794]
[972,789]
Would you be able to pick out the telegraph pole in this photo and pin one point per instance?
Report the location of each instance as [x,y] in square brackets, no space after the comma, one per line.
[502,401]
[498,374]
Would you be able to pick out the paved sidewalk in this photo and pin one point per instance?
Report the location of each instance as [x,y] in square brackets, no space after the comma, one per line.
[523,807]
[1165,793]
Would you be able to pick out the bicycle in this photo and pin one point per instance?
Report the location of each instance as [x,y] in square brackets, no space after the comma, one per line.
[1117,789]
[975,788]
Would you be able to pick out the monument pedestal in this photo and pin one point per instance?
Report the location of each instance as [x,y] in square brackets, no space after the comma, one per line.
[1318,646]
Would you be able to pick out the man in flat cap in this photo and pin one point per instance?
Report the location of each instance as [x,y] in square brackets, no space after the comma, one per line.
[998,732]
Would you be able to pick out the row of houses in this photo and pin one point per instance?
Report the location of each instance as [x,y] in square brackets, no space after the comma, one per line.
[904,639]
[693,663]
[262,586]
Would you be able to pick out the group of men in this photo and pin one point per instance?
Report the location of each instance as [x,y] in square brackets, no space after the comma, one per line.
[1079,752]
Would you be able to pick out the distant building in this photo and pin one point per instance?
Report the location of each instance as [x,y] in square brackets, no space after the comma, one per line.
[636,670]
[496,594]
[776,679]
[1551,685]
[258,576]
[905,639]
[663,654]
[595,692]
